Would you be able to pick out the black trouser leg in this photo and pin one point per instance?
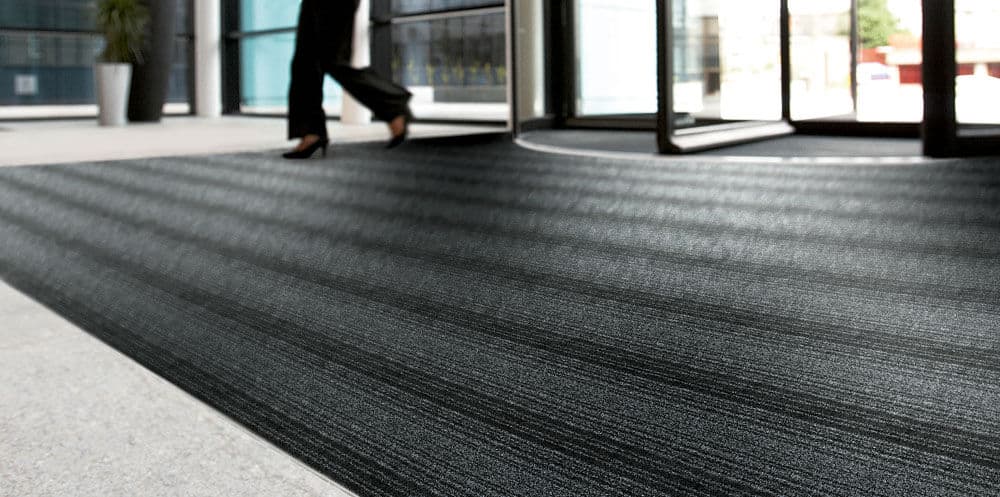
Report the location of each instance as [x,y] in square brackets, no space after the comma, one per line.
[323,45]
[305,100]
[385,98]
[305,96]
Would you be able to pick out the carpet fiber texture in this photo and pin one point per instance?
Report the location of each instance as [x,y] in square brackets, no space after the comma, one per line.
[465,317]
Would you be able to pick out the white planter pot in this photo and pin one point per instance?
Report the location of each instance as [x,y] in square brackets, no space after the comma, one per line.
[112,86]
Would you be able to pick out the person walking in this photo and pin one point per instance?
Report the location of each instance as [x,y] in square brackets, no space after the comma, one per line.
[323,46]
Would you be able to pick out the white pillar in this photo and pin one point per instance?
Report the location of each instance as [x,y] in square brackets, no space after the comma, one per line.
[352,112]
[208,58]
[530,60]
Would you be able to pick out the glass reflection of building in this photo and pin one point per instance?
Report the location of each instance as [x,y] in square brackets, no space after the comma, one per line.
[48,48]
[459,59]
[401,7]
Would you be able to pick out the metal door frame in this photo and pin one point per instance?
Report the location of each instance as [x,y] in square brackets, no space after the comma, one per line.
[942,134]
[668,140]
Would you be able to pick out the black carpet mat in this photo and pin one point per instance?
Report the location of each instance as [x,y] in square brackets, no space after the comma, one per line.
[464,317]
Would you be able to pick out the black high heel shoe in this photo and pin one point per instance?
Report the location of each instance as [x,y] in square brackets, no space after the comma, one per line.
[308,152]
[398,140]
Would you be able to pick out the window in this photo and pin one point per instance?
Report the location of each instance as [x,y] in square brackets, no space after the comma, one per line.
[451,54]
[978,57]
[404,7]
[266,45]
[616,65]
[47,52]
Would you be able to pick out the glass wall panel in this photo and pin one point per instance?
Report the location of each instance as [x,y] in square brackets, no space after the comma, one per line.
[402,7]
[888,85]
[178,94]
[185,23]
[265,74]
[616,63]
[259,15]
[727,59]
[47,52]
[74,15]
[179,72]
[889,67]
[977,51]
[46,68]
[821,59]
[455,66]
[453,63]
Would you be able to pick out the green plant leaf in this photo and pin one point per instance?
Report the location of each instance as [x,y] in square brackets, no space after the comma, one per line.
[123,25]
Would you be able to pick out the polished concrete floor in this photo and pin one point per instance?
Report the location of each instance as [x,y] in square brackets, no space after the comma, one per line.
[49,142]
[78,418]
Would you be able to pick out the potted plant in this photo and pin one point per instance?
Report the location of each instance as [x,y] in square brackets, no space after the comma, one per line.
[123,24]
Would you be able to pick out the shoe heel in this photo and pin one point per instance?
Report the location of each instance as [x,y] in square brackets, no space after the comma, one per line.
[308,151]
[398,140]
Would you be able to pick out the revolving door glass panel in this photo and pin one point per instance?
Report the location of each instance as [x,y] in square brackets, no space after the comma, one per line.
[721,73]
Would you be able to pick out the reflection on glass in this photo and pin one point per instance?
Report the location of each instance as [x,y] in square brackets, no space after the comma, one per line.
[616,43]
[185,23]
[821,59]
[888,74]
[978,57]
[418,6]
[265,73]
[50,69]
[256,15]
[178,86]
[77,15]
[452,61]
[727,59]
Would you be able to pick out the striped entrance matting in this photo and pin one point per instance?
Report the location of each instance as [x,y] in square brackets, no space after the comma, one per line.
[465,317]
